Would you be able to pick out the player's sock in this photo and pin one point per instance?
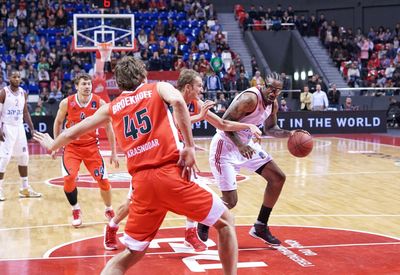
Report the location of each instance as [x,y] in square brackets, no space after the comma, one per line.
[76,206]
[108,208]
[190,224]
[264,214]
[112,223]
[1,183]
[24,182]
[72,197]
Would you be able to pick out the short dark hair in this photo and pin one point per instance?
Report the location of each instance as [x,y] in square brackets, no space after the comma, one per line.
[130,73]
[80,76]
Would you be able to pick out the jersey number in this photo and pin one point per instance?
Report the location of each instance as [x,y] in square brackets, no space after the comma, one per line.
[142,121]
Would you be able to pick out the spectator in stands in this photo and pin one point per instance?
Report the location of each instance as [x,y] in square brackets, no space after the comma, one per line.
[203,64]
[213,85]
[242,83]
[155,62]
[142,38]
[248,22]
[159,28]
[283,106]
[353,75]
[306,99]
[166,60]
[216,63]
[181,37]
[44,78]
[38,111]
[312,83]
[257,80]
[349,106]
[170,27]
[334,98]
[55,96]
[227,83]
[221,104]
[319,99]
[203,46]
[179,64]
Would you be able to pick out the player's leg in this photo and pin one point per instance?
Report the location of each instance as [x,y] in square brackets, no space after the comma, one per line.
[5,157]
[70,168]
[140,229]
[191,237]
[275,178]
[95,165]
[111,229]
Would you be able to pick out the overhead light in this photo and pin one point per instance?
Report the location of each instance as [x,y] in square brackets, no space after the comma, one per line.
[303,75]
[310,73]
[296,76]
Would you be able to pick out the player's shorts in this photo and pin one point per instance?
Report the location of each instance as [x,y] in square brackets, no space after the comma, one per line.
[160,190]
[226,161]
[15,142]
[89,155]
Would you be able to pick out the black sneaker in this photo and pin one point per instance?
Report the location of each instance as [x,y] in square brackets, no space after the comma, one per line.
[202,231]
[261,231]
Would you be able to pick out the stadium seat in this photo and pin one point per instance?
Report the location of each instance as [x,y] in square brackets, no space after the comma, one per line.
[33,89]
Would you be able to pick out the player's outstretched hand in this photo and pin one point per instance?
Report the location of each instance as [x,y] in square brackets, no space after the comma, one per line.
[44,139]
[255,131]
[188,161]
[207,105]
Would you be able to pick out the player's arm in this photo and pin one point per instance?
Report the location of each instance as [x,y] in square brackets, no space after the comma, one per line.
[2,99]
[27,115]
[228,125]
[111,140]
[60,117]
[90,123]
[204,107]
[245,104]
[174,98]
[271,127]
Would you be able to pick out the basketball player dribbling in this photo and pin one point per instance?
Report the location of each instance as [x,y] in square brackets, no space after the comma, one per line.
[158,163]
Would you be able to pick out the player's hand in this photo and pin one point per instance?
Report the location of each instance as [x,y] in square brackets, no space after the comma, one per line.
[188,162]
[53,154]
[301,130]
[207,105]
[255,131]
[246,151]
[44,139]
[114,159]
[2,135]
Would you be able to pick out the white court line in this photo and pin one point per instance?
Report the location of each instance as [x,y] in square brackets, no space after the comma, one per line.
[204,252]
[236,217]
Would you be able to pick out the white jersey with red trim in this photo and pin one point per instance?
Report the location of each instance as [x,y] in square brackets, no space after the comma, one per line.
[13,106]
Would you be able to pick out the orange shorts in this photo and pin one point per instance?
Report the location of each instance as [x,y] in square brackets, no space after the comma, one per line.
[73,156]
[160,190]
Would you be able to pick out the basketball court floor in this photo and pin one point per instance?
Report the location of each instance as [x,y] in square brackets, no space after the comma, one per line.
[339,213]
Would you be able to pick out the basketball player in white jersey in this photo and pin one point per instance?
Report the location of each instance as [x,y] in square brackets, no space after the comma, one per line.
[13,142]
[230,151]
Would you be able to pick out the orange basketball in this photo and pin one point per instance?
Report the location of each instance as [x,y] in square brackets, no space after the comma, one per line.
[300,144]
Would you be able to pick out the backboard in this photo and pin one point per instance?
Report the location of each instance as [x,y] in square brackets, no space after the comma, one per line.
[91,29]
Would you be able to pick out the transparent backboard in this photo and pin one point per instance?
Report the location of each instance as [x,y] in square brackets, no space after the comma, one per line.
[91,29]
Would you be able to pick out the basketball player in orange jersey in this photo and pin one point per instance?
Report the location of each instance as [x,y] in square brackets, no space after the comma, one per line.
[230,151]
[13,112]
[159,164]
[75,109]
[190,85]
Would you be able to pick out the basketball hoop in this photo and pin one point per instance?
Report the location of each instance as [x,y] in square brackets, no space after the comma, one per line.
[105,49]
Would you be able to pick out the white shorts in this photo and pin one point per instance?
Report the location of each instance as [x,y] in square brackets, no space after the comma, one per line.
[15,142]
[226,161]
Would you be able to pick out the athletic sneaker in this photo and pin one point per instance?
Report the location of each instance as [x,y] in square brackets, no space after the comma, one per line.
[202,231]
[29,193]
[76,217]
[110,237]
[109,214]
[192,240]
[261,231]
[2,197]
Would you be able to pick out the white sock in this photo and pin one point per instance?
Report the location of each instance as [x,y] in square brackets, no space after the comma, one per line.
[1,183]
[258,222]
[24,182]
[112,223]
[76,206]
[190,224]
[109,208]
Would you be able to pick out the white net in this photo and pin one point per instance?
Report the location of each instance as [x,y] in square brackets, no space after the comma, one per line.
[105,50]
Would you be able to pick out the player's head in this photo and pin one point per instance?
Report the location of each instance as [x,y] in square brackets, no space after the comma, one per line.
[190,84]
[15,78]
[273,87]
[130,73]
[83,84]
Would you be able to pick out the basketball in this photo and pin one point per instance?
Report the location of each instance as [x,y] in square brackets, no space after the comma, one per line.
[300,144]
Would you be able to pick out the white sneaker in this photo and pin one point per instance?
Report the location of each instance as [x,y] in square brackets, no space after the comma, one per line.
[2,198]
[29,193]
[76,217]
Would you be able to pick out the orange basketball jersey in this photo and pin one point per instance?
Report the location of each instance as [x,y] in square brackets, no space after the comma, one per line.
[193,108]
[76,113]
[144,128]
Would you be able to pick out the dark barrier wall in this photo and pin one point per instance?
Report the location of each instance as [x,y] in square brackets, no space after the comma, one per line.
[43,124]
[341,122]
[349,13]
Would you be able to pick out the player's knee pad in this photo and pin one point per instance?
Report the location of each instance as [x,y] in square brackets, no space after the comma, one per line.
[3,163]
[69,183]
[23,160]
[104,184]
